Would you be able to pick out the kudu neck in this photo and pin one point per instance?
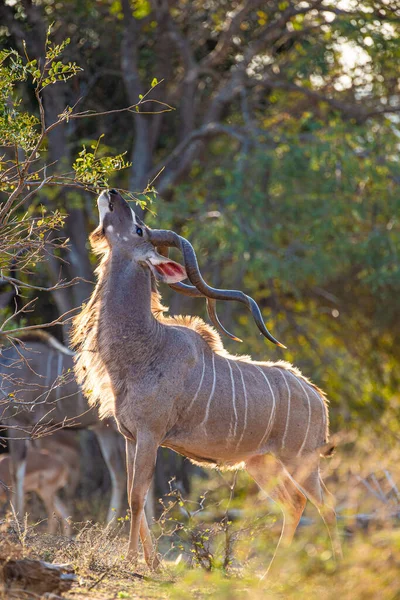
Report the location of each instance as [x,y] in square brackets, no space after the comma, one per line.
[128,299]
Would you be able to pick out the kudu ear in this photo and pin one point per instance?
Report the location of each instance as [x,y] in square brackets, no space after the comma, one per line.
[165,269]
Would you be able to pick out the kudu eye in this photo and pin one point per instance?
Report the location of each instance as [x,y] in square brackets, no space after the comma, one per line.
[111,206]
[139,231]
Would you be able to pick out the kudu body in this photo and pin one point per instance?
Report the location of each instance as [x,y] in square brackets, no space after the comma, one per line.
[169,381]
[45,475]
[39,393]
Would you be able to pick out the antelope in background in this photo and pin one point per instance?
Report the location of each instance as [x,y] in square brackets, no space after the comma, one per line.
[169,381]
[40,394]
[64,444]
[45,475]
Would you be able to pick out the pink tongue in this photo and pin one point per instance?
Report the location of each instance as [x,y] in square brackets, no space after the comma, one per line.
[170,269]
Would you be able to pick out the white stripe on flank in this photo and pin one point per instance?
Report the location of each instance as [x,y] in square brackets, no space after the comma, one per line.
[272,415]
[204,421]
[59,371]
[309,416]
[200,384]
[233,399]
[323,408]
[245,407]
[288,409]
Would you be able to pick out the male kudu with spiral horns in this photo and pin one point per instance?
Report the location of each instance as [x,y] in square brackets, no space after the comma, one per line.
[169,381]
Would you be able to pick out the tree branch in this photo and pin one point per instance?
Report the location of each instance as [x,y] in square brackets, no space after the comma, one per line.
[355,111]
[232,26]
[207,131]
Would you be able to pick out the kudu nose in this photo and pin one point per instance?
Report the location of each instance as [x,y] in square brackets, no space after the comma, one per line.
[113,191]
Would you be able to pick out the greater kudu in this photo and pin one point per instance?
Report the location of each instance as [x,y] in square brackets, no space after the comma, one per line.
[39,394]
[169,381]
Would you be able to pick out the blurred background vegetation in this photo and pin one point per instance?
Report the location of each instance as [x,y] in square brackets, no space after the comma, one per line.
[279,162]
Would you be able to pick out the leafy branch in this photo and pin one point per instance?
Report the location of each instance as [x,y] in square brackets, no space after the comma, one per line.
[28,232]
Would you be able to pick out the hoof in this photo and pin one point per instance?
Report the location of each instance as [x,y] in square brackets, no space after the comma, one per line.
[132,558]
[154,563]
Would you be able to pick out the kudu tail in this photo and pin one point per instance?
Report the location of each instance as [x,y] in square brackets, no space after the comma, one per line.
[328,449]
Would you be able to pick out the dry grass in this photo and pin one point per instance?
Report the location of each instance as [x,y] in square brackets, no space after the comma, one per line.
[221,545]
[370,568]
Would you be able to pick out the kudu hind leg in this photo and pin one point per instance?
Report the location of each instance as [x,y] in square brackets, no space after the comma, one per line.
[108,440]
[310,483]
[57,513]
[140,460]
[61,511]
[53,517]
[18,452]
[314,487]
[269,475]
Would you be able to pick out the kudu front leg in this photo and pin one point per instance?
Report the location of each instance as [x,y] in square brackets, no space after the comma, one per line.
[140,460]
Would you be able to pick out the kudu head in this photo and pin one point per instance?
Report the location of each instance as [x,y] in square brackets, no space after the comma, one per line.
[120,228]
